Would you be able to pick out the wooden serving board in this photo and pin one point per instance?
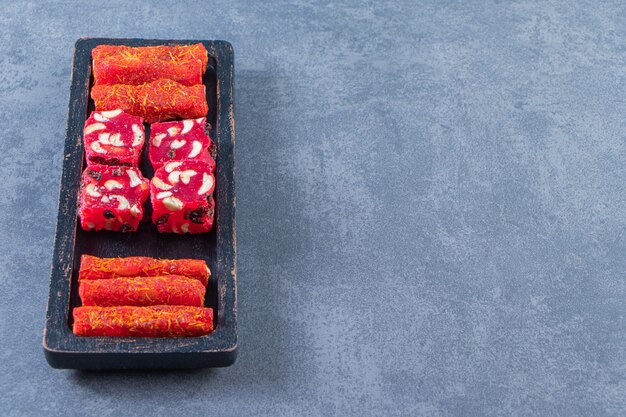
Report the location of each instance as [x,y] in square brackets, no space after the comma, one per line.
[65,350]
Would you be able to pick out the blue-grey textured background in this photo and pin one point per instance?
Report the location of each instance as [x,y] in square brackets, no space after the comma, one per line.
[431,208]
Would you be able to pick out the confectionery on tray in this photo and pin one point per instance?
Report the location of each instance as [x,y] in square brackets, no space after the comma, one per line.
[142,296]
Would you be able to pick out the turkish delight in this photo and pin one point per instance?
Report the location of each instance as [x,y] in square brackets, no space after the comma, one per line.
[113,138]
[154,101]
[181,196]
[153,321]
[111,198]
[119,64]
[142,291]
[179,140]
[92,267]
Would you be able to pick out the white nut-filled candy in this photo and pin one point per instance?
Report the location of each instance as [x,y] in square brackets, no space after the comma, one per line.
[113,137]
[180,140]
[181,196]
[112,198]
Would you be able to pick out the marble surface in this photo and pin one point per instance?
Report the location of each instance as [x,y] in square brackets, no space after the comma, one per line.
[431,208]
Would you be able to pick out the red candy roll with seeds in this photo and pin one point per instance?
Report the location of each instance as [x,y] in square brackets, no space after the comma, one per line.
[180,140]
[92,267]
[181,196]
[154,101]
[119,64]
[142,291]
[154,321]
[113,138]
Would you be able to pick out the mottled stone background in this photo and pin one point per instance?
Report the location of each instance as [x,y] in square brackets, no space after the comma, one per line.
[431,208]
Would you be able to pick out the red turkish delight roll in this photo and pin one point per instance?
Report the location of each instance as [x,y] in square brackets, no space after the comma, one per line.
[113,138]
[92,267]
[142,291]
[154,101]
[154,321]
[119,64]
[111,198]
[185,139]
[181,198]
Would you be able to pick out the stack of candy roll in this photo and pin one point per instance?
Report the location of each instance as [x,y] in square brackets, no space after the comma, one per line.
[142,297]
[154,82]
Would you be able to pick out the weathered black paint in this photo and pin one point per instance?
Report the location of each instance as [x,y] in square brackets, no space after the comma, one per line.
[218,248]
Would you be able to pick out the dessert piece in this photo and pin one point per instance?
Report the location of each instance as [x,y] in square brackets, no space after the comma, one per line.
[92,267]
[181,196]
[179,140]
[119,64]
[142,291]
[113,138]
[111,198]
[154,321]
[154,101]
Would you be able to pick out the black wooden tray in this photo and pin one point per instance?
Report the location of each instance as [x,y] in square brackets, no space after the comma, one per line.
[65,350]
